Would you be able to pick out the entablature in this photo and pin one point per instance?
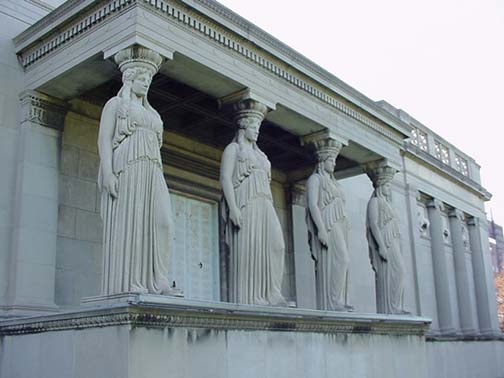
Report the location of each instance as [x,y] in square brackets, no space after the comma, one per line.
[295,83]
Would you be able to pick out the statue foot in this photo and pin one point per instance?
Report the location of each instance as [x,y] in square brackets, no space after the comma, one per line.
[138,290]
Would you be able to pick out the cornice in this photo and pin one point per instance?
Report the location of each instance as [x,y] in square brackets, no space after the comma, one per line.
[70,25]
[261,37]
[222,316]
[448,171]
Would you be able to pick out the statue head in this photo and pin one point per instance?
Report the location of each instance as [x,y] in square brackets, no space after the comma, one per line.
[327,150]
[138,65]
[248,118]
[381,176]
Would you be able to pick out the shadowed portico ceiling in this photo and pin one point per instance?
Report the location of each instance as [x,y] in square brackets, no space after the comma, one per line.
[195,114]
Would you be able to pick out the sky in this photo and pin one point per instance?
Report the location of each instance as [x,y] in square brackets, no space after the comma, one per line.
[441,61]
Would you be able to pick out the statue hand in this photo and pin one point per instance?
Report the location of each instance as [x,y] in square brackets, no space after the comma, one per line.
[323,238]
[235,216]
[111,184]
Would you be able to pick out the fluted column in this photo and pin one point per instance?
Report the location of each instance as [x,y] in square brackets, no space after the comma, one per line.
[304,266]
[468,322]
[35,206]
[483,278]
[441,282]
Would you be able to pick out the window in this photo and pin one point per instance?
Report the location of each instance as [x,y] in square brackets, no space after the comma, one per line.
[461,165]
[441,152]
[419,139]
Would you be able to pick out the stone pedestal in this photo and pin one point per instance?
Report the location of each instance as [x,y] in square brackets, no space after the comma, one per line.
[133,336]
[304,266]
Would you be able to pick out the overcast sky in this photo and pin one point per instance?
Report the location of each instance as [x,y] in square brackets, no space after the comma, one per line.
[441,61]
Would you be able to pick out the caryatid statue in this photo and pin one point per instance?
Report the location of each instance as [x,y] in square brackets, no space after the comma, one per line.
[253,232]
[135,205]
[384,241]
[328,226]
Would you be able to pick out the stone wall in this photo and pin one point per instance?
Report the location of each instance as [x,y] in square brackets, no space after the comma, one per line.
[78,262]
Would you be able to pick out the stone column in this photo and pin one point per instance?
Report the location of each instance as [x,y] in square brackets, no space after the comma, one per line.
[441,283]
[35,206]
[467,321]
[483,278]
[304,266]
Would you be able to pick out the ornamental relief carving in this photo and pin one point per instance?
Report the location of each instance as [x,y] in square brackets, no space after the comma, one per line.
[423,221]
[43,110]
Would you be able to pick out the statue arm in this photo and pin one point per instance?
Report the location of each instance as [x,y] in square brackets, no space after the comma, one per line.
[372,214]
[105,136]
[226,179]
[313,189]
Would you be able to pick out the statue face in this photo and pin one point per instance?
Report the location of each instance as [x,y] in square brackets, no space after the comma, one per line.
[330,164]
[140,85]
[252,131]
[386,189]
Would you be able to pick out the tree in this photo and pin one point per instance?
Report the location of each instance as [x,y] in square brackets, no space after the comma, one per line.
[499,287]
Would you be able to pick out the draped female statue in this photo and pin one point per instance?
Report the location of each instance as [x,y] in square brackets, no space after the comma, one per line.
[328,229]
[253,231]
[384,241]
[135,205]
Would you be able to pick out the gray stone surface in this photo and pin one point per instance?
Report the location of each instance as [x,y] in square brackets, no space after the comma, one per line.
[150,337]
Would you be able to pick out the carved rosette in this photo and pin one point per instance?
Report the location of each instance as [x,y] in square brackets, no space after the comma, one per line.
[43,110]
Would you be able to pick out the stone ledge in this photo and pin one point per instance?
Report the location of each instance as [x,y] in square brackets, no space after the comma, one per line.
[152,311]
[464,338]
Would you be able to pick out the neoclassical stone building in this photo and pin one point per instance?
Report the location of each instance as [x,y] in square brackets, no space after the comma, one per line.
[58,71]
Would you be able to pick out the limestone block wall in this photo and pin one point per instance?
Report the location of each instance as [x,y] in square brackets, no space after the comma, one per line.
[79,254]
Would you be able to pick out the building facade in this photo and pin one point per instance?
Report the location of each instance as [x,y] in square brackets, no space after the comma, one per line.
[58,72]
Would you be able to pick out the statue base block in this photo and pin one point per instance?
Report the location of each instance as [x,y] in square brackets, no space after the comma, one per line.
[137,336]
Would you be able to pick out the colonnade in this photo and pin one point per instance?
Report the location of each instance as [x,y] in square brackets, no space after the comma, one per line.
[484,323]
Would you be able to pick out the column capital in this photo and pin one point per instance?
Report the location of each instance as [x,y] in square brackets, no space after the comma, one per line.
[476,222]
[380,172]
[324,136]
[298,194]
[137,56]
[456,213]
[43,110]
[248,99]
[436,204]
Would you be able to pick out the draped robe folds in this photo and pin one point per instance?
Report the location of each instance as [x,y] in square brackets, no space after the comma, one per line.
[138,223]
[257,247]
[390,274]
[332,262]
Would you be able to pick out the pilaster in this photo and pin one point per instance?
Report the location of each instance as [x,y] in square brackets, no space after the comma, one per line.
[304,266]
[467,321]
[35,206]
[441,281]
[483,278]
